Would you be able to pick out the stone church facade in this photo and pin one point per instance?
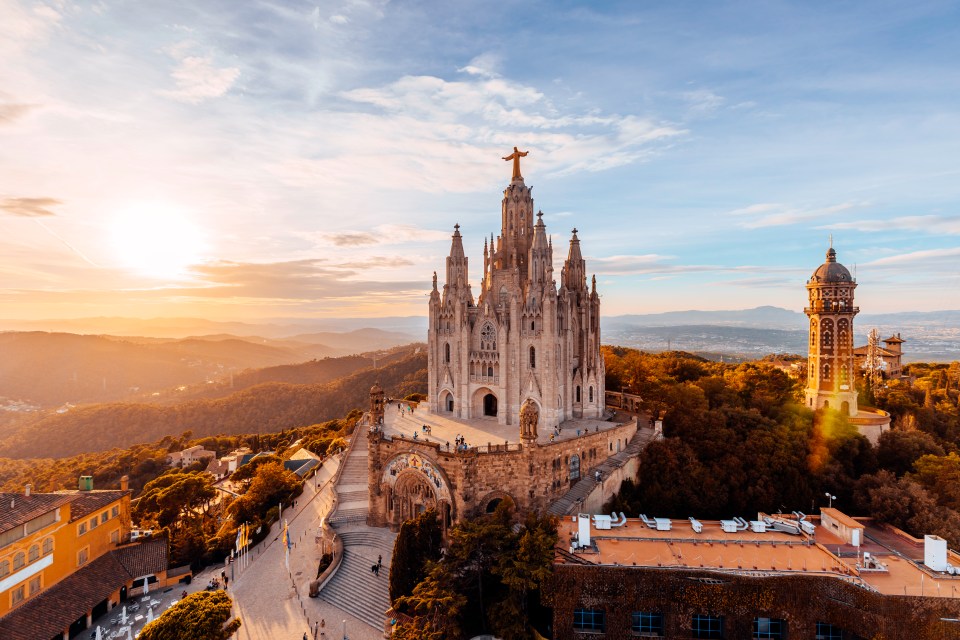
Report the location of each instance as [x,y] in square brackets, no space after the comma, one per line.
[523,338]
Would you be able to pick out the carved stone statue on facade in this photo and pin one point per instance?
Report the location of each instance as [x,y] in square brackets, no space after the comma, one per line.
[529,416]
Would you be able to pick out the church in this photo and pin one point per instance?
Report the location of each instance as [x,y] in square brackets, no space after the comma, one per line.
[523,337]
[516,399]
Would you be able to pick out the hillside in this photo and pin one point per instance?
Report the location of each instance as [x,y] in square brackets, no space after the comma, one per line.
[45,370]
[312,372]
[263,408]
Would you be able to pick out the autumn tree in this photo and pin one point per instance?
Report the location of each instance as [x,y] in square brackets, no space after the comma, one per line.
[204,615]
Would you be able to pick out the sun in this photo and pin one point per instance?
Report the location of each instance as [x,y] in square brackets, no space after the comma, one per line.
[155,240]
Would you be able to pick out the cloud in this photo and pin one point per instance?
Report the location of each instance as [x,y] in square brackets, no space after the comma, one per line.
[648,264]
[292,280]
[11,111]
[29,207]
[484,65]
[702,102]
[778,215]
[938,225]
[382,234]
[198,78]
[917,258]
[339,19]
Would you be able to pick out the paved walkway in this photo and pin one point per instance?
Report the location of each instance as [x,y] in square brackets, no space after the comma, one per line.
[478,432]
[272,602]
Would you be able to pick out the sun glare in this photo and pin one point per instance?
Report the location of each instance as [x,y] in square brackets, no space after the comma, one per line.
[156,241]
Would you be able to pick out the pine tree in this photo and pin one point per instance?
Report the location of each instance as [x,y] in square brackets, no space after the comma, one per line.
[200,616]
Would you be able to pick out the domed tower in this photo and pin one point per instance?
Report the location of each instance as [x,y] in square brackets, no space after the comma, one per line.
[830,364]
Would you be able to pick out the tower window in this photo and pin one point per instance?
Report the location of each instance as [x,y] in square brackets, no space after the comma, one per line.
[446,352]
[591,394]
[578,393]
[533,358]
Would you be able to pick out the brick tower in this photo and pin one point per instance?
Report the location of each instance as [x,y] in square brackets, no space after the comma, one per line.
[830,362]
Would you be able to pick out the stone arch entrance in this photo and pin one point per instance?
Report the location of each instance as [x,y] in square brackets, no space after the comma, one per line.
[490,502]
[485,403]
[446,401]
[411,484]
[412,495]
[490,405]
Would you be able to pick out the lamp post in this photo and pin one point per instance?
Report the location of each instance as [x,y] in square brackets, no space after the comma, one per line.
[831,498]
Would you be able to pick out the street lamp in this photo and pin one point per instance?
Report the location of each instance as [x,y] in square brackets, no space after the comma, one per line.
[832,498]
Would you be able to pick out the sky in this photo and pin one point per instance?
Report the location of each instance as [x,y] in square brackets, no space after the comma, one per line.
[241,160]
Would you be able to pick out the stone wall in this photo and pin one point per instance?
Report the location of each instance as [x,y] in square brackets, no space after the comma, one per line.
[800,600]
[533,476]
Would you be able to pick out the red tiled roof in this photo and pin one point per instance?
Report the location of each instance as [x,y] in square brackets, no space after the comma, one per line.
[26,508]
[145,558]
[56,608]
[86,502]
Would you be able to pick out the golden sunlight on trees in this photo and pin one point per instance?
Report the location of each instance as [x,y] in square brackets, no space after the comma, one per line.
[204,615]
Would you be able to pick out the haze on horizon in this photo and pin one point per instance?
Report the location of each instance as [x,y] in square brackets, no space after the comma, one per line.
[243,161]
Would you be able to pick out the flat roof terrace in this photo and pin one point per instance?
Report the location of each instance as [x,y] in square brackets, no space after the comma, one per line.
[764,553]
[477,432]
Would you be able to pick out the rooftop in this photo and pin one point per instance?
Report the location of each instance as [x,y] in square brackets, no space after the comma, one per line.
[17,509]
[895,568]
[84,503]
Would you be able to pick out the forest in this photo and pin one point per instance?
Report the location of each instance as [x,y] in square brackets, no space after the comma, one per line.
[738,441]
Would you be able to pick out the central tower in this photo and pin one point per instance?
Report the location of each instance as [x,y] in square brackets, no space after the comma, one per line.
[523,338]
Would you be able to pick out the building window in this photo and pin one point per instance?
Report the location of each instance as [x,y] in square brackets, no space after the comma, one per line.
[82,528]
[591,394]
[114,511]
[533,358]
[34,586]
[4,568]
[588,620]
[19,560]
[446,352]
[646,623]
[34,553]
[104,517]
[578,394]
[17,595]
[488,338]
[574,467]
[93,523]
[48,546]
[82,556]
[769,628]
[115,536]
[707,626]
[826,631]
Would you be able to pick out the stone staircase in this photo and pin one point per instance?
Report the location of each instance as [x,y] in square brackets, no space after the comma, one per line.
[354,588]
[587,483]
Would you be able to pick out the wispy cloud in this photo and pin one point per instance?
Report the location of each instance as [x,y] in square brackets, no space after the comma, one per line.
[198,78]
[778,215]
[917,258]
[10,112]
[938,225]
[29,207]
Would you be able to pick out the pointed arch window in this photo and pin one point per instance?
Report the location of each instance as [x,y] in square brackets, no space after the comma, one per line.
[578,393]
[446,352]
[591,394]
[488,338]
[533,358]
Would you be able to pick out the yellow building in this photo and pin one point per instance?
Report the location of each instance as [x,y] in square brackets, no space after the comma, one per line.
[64,561]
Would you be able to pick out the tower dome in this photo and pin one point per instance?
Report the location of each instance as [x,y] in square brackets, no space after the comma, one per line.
[831,270]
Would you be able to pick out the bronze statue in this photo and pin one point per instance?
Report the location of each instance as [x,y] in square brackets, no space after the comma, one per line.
[515,156]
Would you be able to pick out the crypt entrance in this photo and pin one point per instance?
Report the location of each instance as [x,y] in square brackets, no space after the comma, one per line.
[411,484]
